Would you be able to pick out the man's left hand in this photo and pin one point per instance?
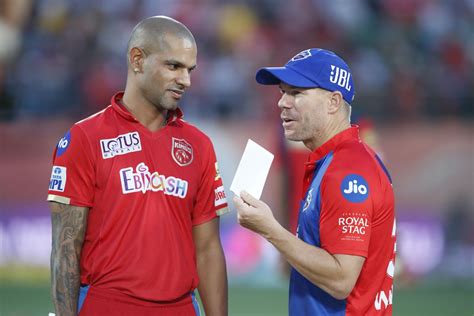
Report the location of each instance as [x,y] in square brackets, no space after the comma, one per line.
[254,214]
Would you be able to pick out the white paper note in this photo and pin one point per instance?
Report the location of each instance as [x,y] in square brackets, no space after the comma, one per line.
[252,170]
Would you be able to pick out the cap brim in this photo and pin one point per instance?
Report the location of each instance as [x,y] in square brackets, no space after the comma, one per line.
[275,75]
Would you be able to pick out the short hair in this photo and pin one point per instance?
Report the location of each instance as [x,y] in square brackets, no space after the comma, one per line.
[150,33]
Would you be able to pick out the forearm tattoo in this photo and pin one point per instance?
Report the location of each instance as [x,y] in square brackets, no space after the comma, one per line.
[68,230]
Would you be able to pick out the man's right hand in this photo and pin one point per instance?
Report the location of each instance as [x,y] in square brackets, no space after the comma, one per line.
[68,231]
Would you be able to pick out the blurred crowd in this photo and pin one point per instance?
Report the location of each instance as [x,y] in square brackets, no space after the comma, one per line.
[411,59]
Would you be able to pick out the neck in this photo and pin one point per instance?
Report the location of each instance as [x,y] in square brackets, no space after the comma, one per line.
[143,111]
[332,129]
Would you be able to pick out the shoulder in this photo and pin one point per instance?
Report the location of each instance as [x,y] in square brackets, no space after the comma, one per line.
[194,133]
[354,156]
[353,161]
[94,121]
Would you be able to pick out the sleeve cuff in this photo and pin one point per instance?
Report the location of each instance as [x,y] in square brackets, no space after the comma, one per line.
[58,199]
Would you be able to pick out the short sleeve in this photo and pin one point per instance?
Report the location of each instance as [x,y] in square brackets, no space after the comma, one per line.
[346,213]
[211,200]
[72,177]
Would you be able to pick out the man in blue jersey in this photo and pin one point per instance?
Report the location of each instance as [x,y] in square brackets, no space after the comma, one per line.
[343,254]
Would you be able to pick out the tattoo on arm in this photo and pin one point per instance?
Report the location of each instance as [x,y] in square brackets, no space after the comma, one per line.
[69,226]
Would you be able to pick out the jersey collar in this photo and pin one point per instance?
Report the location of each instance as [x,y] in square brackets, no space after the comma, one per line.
[173,116]
[352,133]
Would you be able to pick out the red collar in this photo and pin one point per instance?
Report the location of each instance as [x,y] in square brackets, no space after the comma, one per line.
[352,133]
[122,111]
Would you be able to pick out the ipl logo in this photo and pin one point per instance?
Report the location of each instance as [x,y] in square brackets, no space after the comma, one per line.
[58,179]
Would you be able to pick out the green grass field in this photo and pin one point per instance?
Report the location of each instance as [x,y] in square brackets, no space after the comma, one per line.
[27,294]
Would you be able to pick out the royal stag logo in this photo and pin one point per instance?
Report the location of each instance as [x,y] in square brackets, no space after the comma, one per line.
[182,152]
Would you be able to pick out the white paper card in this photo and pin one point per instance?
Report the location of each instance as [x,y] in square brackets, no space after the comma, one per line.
[252,170]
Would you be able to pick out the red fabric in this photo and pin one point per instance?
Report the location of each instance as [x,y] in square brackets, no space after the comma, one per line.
[365,228]
[143,203]
[100,303]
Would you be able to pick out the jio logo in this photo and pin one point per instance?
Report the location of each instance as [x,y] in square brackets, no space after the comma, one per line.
[354,188]
[63,144]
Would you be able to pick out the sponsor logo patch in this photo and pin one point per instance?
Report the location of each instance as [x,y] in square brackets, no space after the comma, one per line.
[142,180]
[353,225]
[308,199]
[181,151]
[218,173]
[220,196]
[63,144]
[120,145]
[340,77]
[58,179]
[303,55]
[354,188]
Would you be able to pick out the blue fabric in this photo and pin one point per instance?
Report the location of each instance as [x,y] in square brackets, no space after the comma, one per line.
[82,297]
[384,168]
[305,297]
[195,304]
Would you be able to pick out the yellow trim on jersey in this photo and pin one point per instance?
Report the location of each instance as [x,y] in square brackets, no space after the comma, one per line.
[59,199]
[222,211]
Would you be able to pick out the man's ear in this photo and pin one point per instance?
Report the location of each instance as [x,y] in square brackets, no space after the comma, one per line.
[136,58]
[336,101]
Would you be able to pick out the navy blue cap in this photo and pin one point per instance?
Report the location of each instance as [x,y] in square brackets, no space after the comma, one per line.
[312,68]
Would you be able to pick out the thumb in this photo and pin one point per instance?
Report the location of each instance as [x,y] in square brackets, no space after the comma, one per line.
[237,200]
[249,199]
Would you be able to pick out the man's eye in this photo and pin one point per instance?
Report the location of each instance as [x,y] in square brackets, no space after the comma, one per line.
[172,66]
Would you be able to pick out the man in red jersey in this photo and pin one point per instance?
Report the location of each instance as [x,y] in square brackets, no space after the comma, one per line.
[343,254]
[136,195]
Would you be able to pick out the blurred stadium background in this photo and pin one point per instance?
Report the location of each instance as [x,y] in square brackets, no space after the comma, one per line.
[412,61]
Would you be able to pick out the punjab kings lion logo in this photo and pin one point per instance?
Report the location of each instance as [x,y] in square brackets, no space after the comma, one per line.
[181,151]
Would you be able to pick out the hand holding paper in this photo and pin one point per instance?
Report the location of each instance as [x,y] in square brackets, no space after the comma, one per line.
[252,170]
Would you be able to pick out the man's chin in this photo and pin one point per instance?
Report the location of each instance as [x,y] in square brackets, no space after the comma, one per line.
[170,105]
[291,136]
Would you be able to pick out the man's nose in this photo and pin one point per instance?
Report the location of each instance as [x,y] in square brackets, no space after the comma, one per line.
[285,102]
[184,78]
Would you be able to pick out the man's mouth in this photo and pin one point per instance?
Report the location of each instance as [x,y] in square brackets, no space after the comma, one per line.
[176,93]
[286,119]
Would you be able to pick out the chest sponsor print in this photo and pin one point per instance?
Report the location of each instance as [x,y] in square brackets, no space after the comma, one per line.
[120,145]
[181,151]
[142,180]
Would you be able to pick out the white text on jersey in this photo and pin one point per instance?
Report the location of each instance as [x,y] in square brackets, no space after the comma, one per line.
[142,180]
[120,145]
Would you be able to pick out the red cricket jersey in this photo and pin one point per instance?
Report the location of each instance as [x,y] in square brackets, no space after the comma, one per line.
[145,190]
[348,208]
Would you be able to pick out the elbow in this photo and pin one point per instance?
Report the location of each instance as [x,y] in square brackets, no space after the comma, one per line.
[340,295]
[341,290]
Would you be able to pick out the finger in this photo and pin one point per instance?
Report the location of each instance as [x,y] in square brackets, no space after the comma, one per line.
[249,199]
[238,201]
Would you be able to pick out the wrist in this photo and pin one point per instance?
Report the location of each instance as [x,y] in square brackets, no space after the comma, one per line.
[273,231]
